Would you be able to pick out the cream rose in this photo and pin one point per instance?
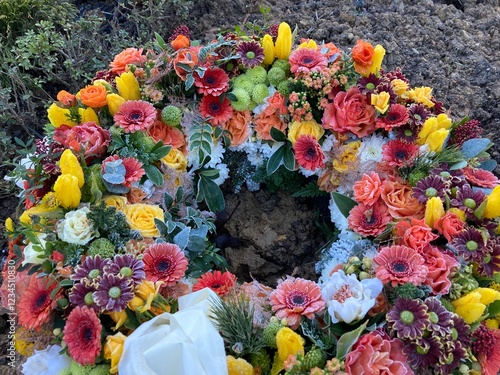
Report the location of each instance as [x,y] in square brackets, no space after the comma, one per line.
[141,217]
[34,252]
[76,227]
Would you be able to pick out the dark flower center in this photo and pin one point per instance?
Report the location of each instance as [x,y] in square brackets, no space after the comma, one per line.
[40,301]
[210,80]
[215,286]
[392,117]
[88,334]
[311,152]
[399,267]
[215,107]
[298,299]
[401,154]
[135,115]
[163,265]
[307,60]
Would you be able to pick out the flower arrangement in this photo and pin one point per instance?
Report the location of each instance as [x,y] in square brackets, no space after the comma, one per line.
[116,268]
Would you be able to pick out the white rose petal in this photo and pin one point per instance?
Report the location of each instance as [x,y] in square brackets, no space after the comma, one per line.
[75,227]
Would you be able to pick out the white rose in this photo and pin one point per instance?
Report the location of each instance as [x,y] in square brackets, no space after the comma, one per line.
[75,227]
[34,251]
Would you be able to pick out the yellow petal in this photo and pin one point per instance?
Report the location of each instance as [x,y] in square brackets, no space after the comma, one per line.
[128,86]
[69,165]
[268,46]
[471,312]
[378,56]
[238,366]
[492,209]
[429,126]
[59,116]
[289,343]
[113,350]
[119,317]
[436,140]
[88,115]
[381,101]
[114,103]
[488,295]
[460,214]
[434,210]
[67,191]
[283,45]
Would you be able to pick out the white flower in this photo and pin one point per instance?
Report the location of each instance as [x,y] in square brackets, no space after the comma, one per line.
[46,362]
[371,149]
[337,217]
[223,174]
[76,227]
[34,250]
[349,299]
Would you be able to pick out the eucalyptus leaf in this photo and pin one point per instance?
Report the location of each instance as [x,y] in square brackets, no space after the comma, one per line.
[459,165]
[473,147]
[344,203]
[488,165]
[181,239]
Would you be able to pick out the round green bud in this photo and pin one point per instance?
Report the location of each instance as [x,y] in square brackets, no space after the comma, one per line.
[102,247]
[259,93]
[243,82]
[276,76]
[285,88]
[242,99]
[257,74]
[171,115]
[282,64]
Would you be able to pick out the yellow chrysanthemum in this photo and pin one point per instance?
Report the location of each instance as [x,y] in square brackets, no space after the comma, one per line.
[421,95]
[399,86]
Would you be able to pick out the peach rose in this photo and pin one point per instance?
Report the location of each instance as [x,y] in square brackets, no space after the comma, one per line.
[126,57]
[93,96]
[440,265]
[449,225]
[181,41]
[136,195]
[186,56]
[415,234]
[141,217]
[277,103]
[399,198]
[239,127]
[265,121]
[350,112]
[332,50]
[167,134]
[368,189]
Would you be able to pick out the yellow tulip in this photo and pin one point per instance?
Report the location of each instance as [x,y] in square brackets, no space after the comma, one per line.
[238,366]
[492,209]
[114,103]
[59,116]
[283,45]
[460,214]
[381,101]
[137,304]
[119,317]
[443,121]
[103,83]
[436,140]
[268,46]
[309,44]
[113,350]
[9,224]
[88,115]
[488,295]
[429,126]
[128,86]
[378,56]
[472,305]
[69,165]
[434,211]
[67,190]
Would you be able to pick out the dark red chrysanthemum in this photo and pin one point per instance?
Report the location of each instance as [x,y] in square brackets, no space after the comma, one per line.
[220,283]
[164,262]
[308,152]
[252,54]
[397,153]
[216,109]
[214,82]
[82,335]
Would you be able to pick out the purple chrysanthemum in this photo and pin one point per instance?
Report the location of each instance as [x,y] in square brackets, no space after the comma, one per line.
[418,113]
[82,295]
[113,292]
[470,245]
[127,266]
[440,319]
[409,318]
[396,74]
[385,86]
[429,187]
[367,85]
[252,54]
[460,330]
[468,200]
[451,357]
[490,264]
[423,352]
[92,268]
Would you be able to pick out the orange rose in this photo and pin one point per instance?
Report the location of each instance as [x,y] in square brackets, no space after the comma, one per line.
[362,53]
[449,225]
[181,41]
[265,121]
[169,135]
[126,57]
[277,102]
[93,96]
[187,56]
[332,50]
[415,234]
[399,199]
[66,99]
[238,126]
[135,195]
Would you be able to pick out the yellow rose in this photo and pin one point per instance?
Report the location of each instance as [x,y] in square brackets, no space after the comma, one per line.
[381,101]
[69,164]
[88,115]
[434,210]
[268,46]
[145,293]
[347,158]
[114,103]
[119,317]
[492,209]
[472,305]
[399,86]
[117,201]
[59,116]
[296,129]
[422,95]
[283,45]
[175,159]
[141,217]
[128,86]
[238,366]
[67,191]
[137,304]
[289,343]
[113,349]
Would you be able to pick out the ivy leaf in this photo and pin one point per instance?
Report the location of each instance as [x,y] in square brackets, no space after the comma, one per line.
[344,203]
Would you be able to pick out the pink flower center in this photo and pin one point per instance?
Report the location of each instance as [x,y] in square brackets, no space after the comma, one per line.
[343,293]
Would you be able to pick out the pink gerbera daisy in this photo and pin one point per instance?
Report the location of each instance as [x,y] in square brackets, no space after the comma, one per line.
[217,109]
[397,153]
[400,265]
[220,282]
[214,82]
[135,115]
[369,220]
[36,304]
[164,262]
[294,298]
[82,335]
[397,115]
[480,177]
[308,152]
[133,169]
[305,60]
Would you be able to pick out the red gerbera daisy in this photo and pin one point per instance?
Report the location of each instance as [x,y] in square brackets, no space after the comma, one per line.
[164,262]
[135,115]
[307,60]
[480,177]
[220,283]
[397,115]
[214,82]
[82,335]
[397,153]
[294,298]
[308,152]
[36,305]
[217,109]
[400,265]
[369,220]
